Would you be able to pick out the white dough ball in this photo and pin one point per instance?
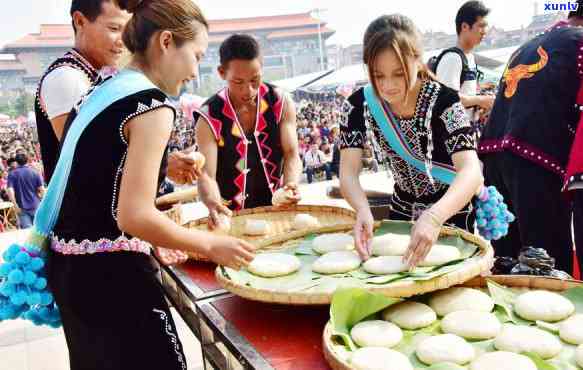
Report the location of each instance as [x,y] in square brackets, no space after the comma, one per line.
[337,262]
[445,348]
[376,333]
[501,360]
[410,315]
[390,244]
[471,324]
[332,242]
[274,264]
[379,358]
[223,224]
[440,254]
[579,355]
[543,305]
[305,221]
[280,196]
[256,227]
[198,158]
[518,339]
[460,299]
[571,330]
[385,265]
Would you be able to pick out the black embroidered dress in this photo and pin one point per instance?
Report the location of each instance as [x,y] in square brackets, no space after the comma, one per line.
[450,130]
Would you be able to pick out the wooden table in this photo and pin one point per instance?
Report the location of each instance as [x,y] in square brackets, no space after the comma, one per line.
[240,334]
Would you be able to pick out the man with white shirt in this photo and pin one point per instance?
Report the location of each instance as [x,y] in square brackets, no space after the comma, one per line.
[98,26]
[456,67]
[315,161]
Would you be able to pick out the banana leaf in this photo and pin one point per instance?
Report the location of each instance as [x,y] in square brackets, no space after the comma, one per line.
[307,280]
[350,306]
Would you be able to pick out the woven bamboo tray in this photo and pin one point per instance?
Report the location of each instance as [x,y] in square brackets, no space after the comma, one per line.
[280,222]
[512,281]
[470,268]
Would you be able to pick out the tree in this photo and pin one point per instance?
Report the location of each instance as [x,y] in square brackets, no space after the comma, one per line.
[24,103]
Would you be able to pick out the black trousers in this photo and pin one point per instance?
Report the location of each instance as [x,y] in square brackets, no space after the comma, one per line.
[114,313]
[543,215]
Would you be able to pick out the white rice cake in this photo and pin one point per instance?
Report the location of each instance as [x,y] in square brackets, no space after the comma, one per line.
[501,360]
[332,242]
[410,315]
[390,244]
[571,330]
[274,264]
[445,348]
[543,305]
[460,299]
[255,227]
[376,333]
[440,254]
[304,221]
[519,339]
[379,358]
[385,265]
[471,324]
[337,262]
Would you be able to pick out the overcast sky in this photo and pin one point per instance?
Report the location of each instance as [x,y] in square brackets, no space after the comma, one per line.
[23,16]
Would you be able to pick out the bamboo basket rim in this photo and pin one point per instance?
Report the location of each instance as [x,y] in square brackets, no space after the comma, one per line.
[513,281]
[267,213]
[472,267]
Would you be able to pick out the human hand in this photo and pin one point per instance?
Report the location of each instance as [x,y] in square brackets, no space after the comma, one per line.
[170,256]
[231,252]
[363,233]
[424,234]
[183,168]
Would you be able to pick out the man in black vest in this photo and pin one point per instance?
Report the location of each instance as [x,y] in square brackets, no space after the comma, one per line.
[525,145]
[247,133]
[98,26]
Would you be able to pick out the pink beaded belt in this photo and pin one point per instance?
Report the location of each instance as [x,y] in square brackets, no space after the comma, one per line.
[102,245]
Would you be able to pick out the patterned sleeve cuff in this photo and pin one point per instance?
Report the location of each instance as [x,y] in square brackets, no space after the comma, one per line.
[455,118]
[351,139]
[460,141]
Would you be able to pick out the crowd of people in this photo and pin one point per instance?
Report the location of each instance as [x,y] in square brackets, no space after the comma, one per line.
[17,139]
[319,136]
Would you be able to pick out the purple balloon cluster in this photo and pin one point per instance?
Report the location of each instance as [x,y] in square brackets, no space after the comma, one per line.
[23,287]
[492,215]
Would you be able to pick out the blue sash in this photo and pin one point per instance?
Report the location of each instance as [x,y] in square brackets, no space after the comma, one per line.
[391,131]
[23,285]
[492,214]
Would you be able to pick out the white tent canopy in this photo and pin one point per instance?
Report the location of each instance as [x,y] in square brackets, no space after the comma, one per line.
[296,82]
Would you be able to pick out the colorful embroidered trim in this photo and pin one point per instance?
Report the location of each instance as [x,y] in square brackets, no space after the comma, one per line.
[121,244]
[524,150]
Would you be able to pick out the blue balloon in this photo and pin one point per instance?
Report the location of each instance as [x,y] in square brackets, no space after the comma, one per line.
[15,276]
[36,264]
[40,283]
[18,298]
[7,289]
[5,269]
[34,299]
[29,278]
[46,299]
[22,258]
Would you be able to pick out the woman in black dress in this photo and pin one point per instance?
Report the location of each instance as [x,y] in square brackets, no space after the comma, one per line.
[434,126]
[112,307]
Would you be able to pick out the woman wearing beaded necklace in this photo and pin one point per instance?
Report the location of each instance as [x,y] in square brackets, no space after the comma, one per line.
[433,128]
